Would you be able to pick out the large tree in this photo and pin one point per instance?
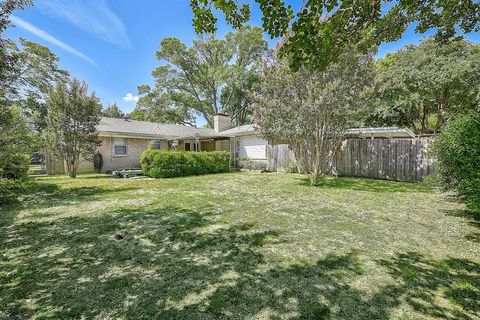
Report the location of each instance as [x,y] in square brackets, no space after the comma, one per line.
[214,75]
[32,70]
[73,116]
[424,86]
[312,110]
[27,68]
[6,9]
[324,29]
[27,72]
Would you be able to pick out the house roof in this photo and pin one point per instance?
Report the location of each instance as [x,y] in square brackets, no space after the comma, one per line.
[230,132]
[127,127]
[144,129]
[238,131]
[385,132]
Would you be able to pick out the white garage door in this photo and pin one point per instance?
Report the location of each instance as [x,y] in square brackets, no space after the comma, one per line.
[252,147]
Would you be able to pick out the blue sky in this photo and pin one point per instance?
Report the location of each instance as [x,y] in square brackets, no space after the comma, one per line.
[111,44]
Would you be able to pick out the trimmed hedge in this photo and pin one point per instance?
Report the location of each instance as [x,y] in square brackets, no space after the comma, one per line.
[10,190]
[169,164]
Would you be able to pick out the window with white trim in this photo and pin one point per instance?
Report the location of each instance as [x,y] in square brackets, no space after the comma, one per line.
[119,146]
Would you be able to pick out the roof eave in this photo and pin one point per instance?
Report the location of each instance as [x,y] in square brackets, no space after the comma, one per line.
[102,133]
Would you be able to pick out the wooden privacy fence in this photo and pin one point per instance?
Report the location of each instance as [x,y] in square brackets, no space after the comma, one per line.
[391,159]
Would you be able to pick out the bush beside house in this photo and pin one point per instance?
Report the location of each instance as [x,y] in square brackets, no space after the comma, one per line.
[169,164]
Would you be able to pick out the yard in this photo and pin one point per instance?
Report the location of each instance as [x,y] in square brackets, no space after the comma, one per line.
[238,245]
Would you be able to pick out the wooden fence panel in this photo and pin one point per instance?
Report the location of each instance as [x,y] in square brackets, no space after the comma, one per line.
[391,159]
[278,157]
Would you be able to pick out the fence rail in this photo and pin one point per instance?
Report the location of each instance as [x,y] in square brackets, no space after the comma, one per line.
[391,159]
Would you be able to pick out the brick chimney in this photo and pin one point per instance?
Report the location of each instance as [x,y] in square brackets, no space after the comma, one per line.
[221,122]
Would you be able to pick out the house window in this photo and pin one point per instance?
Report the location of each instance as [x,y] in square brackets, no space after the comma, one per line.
[156,144]
[119,146]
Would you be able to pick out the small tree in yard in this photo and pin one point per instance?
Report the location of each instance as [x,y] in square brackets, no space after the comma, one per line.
[311,109]
[73,117]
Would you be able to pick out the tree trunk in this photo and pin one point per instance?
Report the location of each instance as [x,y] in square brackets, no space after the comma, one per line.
[72,165]
[425,119]
[314,178]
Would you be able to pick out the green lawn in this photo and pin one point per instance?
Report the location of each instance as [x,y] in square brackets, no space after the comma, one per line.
[239,245]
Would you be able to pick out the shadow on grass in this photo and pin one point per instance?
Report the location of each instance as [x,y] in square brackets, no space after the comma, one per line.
[473,218]
[364,184]
[41,194]
[175,263]
[456,280]
[98,176]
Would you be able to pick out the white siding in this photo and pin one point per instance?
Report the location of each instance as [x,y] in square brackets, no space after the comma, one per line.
[252,147]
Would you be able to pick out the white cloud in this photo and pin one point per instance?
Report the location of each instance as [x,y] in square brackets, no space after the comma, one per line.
[130,98]
[92,16]
[48,37]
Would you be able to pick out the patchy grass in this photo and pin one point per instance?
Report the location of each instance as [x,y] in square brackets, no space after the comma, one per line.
[240,245]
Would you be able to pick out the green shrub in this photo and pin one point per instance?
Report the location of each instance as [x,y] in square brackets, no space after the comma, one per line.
[168,164]
[16,167]
[457,151]
[10,190]
[291,166]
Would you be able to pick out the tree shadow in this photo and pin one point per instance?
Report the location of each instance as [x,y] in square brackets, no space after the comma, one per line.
[176,263]
[364,184]
[98,176]
[43,195]
[425,280]
[473,218]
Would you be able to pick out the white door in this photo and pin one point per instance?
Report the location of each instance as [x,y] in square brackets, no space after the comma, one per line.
[252,147]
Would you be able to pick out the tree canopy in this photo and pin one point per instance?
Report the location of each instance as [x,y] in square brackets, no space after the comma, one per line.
[213,75]
[33,72]
[112,111]
[424,86]
[6,9]
[322,30]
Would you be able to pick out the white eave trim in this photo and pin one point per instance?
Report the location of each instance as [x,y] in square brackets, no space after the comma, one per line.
[131,135]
